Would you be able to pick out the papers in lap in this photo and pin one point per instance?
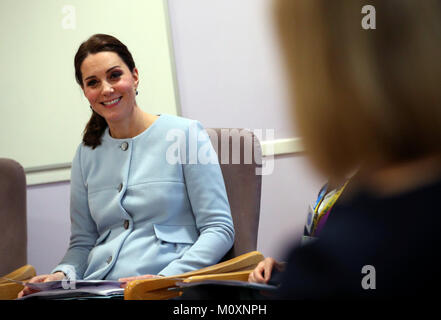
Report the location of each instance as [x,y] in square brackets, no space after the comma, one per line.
[89,288]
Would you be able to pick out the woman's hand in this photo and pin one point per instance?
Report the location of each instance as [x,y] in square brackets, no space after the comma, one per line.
[42,278]
[262,273]
[146,276]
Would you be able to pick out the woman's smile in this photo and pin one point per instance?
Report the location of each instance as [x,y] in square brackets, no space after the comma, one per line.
[111,103]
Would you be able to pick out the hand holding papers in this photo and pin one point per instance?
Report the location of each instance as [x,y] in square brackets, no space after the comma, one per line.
[64,289]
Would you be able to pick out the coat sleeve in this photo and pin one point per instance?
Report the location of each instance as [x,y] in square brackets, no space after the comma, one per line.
[83,228]
[209,201]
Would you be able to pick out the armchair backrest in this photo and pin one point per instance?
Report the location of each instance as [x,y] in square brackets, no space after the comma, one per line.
[240,157]
[13,230]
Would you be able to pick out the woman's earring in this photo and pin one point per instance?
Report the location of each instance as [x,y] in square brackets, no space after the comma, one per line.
[136,91]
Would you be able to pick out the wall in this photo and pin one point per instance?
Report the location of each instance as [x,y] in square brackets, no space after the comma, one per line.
[48,224]
[42,107]
[228,75]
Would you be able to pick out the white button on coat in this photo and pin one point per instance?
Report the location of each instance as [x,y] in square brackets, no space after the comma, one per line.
[124,146]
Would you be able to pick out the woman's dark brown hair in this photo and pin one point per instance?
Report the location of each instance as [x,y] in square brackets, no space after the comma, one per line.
[98,43]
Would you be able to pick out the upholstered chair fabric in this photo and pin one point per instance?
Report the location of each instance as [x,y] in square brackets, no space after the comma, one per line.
[13,232]
[240,157]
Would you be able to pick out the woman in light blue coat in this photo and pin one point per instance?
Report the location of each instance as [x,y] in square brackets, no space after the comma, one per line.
[147,193]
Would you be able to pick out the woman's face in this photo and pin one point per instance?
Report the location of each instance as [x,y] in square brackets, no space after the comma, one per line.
[109,85]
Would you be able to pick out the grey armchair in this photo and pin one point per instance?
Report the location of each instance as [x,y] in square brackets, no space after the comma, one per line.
[240,157]
[13,232]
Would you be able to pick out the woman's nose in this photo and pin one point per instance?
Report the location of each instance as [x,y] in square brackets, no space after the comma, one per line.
[107,88]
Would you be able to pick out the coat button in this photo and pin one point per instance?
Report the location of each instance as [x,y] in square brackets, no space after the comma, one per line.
[120,187]
[109,259]
[126,224]
[124,146]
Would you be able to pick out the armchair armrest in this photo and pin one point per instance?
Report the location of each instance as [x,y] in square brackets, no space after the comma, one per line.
[9,290]
[158,288]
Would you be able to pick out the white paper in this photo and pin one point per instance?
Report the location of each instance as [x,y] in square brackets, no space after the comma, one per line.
[80,288]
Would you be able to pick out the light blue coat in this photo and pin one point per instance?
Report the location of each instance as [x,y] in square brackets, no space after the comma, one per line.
[134,211]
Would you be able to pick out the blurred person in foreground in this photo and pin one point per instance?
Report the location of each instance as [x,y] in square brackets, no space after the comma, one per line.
[370,98]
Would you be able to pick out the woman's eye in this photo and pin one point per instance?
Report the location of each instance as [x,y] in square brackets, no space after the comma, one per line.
[92,83]
[115,75]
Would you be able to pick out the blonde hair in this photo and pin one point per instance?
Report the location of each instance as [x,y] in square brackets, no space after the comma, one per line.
[363,96]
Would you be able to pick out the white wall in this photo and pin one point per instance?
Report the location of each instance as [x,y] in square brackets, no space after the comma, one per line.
[228,64]
[43,110]
[229,75]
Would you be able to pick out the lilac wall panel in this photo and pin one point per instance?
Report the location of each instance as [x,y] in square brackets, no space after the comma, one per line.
[48,224]
[286,195]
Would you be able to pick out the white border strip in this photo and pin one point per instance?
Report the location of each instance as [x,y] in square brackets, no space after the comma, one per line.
[47,176]
[282,146]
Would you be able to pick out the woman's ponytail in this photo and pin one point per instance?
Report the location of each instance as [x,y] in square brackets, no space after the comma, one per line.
[94,130]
